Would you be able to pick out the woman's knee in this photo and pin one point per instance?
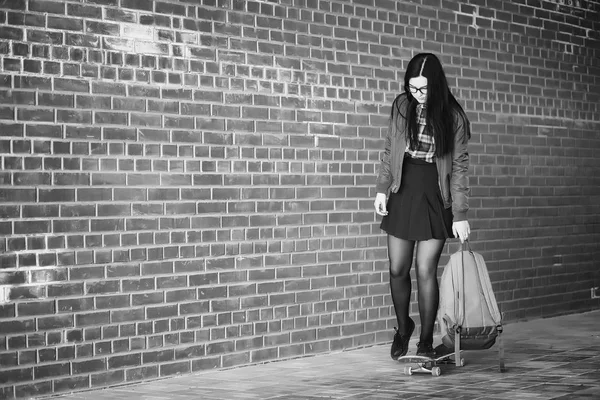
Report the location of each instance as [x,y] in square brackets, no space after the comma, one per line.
[399,270]
[426,272]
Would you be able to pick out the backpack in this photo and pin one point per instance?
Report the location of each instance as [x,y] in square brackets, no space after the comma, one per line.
[468,314]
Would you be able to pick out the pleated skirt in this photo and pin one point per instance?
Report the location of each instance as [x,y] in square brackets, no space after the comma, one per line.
[417,211]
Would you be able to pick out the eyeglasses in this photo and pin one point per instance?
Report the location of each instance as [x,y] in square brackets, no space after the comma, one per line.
[422,90]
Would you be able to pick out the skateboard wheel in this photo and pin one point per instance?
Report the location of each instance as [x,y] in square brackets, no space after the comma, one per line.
[408,371]
[462,362]
[436,371]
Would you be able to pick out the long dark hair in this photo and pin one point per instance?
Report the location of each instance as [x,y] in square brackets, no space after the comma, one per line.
[441,105]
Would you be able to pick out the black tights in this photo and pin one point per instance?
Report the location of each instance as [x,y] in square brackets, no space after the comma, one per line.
[400,253]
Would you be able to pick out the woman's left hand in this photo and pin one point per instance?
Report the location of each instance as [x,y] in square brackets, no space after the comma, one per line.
[461,230]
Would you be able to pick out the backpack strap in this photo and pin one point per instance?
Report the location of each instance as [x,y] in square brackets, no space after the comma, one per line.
[459,278]
[457,356]
[500,349]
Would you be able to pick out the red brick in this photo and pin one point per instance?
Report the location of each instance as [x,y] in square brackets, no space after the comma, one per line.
[107,378]
[17,326]
[50,370]
[96,318]
[33,389]
[128,360]
[71,384]
[55,322]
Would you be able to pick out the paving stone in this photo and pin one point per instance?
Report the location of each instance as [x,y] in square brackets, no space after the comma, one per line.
[544,361]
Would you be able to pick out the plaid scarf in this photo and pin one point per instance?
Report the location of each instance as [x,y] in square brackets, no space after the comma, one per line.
[425,148]
[421,114]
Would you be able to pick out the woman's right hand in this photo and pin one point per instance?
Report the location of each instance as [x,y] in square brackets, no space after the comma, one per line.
[380,202]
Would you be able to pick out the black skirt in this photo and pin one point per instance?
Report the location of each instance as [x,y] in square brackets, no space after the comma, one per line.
[417,211]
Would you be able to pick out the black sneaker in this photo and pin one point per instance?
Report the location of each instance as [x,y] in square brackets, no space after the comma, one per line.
[442,350]
[425,350]
[400,343]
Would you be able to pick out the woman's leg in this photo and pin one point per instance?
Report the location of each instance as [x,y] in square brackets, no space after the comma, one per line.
[400,253]
[428,257]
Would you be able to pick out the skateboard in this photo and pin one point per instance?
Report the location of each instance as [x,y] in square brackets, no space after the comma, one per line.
[430,365]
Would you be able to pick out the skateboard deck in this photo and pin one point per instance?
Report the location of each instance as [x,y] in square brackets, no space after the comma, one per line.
[429,365]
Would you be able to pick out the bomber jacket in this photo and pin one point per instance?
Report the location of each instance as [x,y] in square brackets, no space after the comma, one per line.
[452,167]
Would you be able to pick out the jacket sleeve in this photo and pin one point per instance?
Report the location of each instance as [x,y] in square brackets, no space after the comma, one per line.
[459,184]
[384,179]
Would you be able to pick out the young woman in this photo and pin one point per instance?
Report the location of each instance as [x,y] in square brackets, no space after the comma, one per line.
[422,192]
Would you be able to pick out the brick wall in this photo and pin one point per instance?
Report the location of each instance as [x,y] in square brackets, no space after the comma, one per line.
[188,184]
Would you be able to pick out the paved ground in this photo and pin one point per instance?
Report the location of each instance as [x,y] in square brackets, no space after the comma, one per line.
[556,358]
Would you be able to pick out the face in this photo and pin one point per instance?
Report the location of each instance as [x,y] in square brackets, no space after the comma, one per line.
[418,88]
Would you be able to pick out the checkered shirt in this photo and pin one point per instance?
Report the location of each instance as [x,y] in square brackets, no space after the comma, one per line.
[426,145]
